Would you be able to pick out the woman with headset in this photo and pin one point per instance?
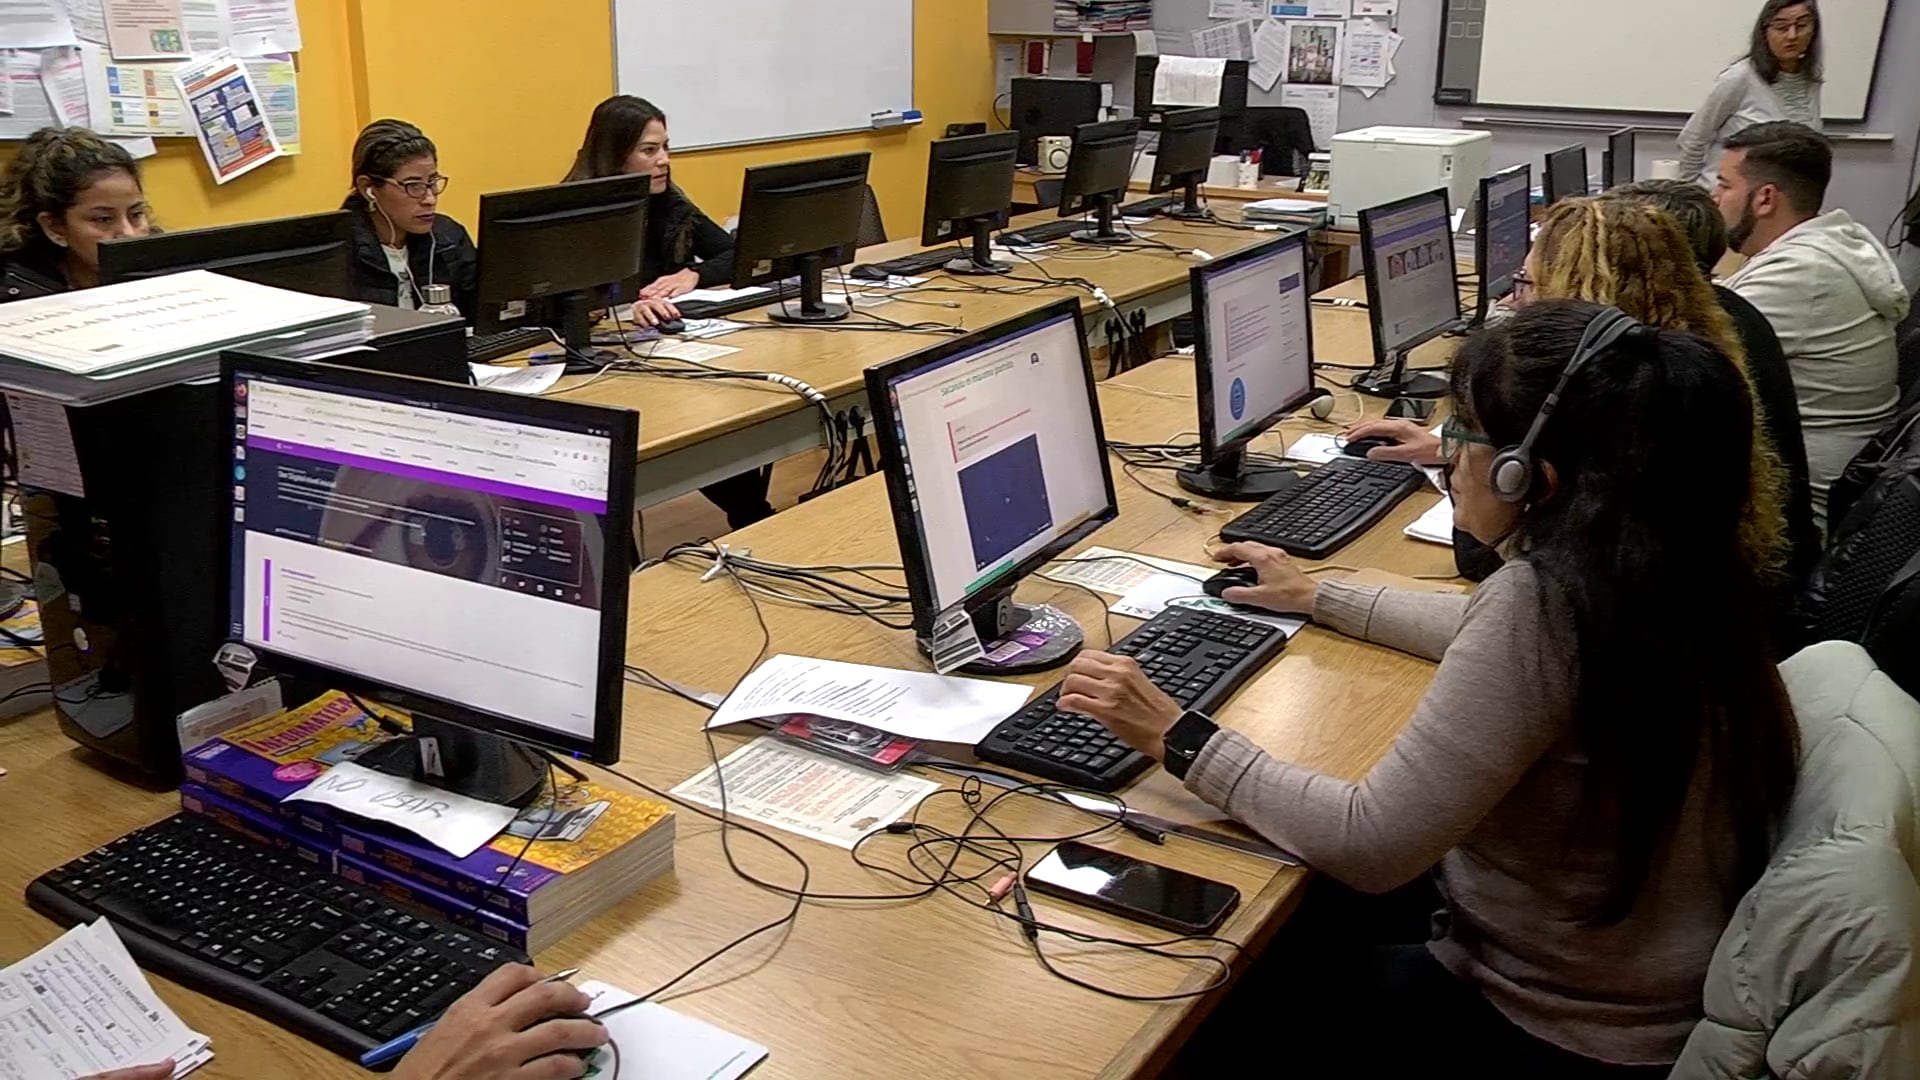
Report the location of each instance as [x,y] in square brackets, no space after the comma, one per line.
[401,241]
[1593,778]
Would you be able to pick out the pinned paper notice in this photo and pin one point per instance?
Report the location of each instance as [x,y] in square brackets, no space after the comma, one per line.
[451,822]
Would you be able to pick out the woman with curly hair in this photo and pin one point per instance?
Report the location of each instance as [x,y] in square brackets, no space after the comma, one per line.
[65,192]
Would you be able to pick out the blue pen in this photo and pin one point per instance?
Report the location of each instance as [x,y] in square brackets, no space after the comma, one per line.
[397,1047]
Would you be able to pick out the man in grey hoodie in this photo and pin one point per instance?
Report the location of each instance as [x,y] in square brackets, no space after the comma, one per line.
[1827,285]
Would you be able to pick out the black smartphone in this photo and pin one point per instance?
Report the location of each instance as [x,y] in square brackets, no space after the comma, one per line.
[1406,408]
[1123,885]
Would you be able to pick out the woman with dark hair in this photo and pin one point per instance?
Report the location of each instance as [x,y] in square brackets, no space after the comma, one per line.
[401,241]
[1596,773]
[627,136]
[65,191]
[1778,79]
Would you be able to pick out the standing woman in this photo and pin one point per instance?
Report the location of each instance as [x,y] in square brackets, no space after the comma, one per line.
[64,192]
[1779,79]
[401,241]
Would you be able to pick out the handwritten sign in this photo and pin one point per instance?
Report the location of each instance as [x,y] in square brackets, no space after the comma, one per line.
[451,822]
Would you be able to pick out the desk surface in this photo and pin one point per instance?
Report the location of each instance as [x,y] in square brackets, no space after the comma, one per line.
[852,991]
[1269,187]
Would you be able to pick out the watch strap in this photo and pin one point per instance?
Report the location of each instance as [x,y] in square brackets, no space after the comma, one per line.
[1185,739]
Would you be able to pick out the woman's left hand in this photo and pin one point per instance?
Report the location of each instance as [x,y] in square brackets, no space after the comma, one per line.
[671,285]
[1113,690]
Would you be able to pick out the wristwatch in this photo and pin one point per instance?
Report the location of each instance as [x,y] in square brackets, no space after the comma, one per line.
[1185,739]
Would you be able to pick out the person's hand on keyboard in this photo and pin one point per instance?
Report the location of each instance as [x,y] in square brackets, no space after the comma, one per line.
[654,311]
[513,1026]
[1113,690]
[671,285]
[1412,442]
[1283,587]
[159,1070]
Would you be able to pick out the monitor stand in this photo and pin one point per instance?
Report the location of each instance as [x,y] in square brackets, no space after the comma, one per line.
[467,762]
[980,262]
[1021,638]
[1103,231]
[813,305]
[1229,478]
[572,317]
[1189,208]
[1390,378]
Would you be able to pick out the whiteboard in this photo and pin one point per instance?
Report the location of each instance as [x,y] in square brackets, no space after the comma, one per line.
[1653,55]
[738,71]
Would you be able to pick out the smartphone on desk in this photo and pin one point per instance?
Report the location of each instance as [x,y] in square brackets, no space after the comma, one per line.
[1133,888]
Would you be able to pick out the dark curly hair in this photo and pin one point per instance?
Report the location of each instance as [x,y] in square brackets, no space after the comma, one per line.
[52,169]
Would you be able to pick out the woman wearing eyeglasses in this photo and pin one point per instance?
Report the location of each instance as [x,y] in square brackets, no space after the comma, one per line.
[1594,775]
[1778,79]
[401,242]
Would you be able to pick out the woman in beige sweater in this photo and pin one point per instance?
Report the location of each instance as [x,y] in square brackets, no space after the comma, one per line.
[1595,772]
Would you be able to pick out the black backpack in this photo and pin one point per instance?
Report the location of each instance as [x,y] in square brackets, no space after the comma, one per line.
[1866,588]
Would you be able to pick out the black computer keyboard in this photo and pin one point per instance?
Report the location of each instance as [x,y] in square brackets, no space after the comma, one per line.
[1045,233]
[919,262]
[718,309]
[246,923]
[1328,508]
[1146,207]
[486,348]
[1198,658]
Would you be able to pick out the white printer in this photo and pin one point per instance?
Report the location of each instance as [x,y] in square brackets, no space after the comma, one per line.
[1377,165]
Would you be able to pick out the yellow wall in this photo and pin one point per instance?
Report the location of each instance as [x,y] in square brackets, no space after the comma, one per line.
[504,87]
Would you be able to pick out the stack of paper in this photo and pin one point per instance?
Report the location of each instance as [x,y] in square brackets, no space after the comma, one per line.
[1304,212]
[1436,525]
[80,1006]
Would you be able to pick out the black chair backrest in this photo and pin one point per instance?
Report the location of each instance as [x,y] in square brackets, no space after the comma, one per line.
[1909,345]
[872,229]
[1047,192]
[1286,136]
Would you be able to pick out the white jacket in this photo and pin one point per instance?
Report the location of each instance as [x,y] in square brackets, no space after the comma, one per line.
[1833,296]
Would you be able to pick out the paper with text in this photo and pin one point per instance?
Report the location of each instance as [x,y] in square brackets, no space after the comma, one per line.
[279,86]
[261,27]
[35,24]
[1366,57]
[131,97]
[527,379]
[1269,55]
[657,1043]
[449,821]
[1188,80]
[146,29]
[1117,573]
[1225,41]
[81,1006]
[914,704]
[43,445]
[1322,106]
[229,120]
[774,782]
[30,109]
[1163,591]
[89,20]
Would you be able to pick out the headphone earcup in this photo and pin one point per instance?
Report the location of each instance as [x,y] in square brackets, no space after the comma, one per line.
[1321,406]
[1511,476]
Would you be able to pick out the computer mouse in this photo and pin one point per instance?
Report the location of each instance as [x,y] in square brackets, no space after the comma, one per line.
[671,326]
[1231,578]
[1359,447]
[868,272]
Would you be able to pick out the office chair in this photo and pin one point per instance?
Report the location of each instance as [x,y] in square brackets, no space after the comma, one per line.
[1047,193]
[872,229]
[955,131]
[1286,136]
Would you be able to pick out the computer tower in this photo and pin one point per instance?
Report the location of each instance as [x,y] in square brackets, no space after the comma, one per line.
[1047,106]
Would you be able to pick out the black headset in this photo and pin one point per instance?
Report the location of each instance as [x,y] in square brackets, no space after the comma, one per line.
[1512,474]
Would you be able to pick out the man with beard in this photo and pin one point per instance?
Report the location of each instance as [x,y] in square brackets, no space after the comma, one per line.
[1826,284]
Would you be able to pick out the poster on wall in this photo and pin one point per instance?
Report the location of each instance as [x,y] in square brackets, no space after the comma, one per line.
[1313,53]
[146,29]
[228,118]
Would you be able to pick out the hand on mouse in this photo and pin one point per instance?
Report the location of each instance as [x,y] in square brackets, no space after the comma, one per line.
[1283,588]
[507,1028]
[653,312]
[1113,690]
[1412,442]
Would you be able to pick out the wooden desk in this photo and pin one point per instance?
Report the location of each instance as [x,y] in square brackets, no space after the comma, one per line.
[931,987]
[1269,187]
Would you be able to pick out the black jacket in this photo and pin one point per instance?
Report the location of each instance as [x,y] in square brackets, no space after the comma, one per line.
[1780,415]
[677,234]
[455,262]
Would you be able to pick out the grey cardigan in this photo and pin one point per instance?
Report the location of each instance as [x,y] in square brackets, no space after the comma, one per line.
[1740,98]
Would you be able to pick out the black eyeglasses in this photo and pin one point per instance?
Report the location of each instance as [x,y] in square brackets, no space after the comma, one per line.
[418,189]
[1454,438]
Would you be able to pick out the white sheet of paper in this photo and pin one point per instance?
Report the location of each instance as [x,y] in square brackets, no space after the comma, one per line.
[1269,54]
[1163,591]
[1314,447]
[89,20]
[1366,57]
[774,782]
[65,80]
[720,296]
[710,328]
[527,379]
[694,352]
[1435,526]
[1322,105]
[451,822]
[31,110]
[6,96]
[1188,80]
[1334,9]
[657,1043]
[1387,8]
[147,29]
[278,83]
[43,444]
[1225,41]
[80,1006]
[1115,572]
[207,27]
[35,24]
[264,26]
[913,704]
[1145,43]
[1232,9]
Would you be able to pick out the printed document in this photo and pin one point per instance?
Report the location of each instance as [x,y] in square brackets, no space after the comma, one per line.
[773,782]
[451,822]
[912,704]
[80,1006]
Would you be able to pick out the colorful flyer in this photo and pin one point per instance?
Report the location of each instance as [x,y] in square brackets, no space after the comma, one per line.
[227,115]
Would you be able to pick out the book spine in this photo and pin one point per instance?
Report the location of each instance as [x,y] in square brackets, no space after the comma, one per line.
[485,923]
[449,876]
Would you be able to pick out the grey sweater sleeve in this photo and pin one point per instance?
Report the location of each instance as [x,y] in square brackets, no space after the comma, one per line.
[1499,701]
[1420,623]
[1703,127]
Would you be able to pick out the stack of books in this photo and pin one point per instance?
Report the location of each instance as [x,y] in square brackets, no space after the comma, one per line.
[1102,16]
[568,857]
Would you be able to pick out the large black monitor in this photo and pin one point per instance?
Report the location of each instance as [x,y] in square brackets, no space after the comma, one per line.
[549,255]
[1253,361]
[1046,106]
[459,552]
[799,218]
[1185,156]
[1502,233]
[970,194]
[1098,172]
[1566,176]
[311,254]
[996,464]
[1413,295]
[1616,164]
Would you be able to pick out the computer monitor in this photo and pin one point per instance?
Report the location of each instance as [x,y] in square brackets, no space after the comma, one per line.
[1502,233]
[1616,164]
[996,463]
[970,194]
[1044,106]
[1184,157]
[1566,174]
[458,552]
[550,255]
[1232,100]
[1098,172]
[1412,293]
[310,254]
[1253,361]
[800,217]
